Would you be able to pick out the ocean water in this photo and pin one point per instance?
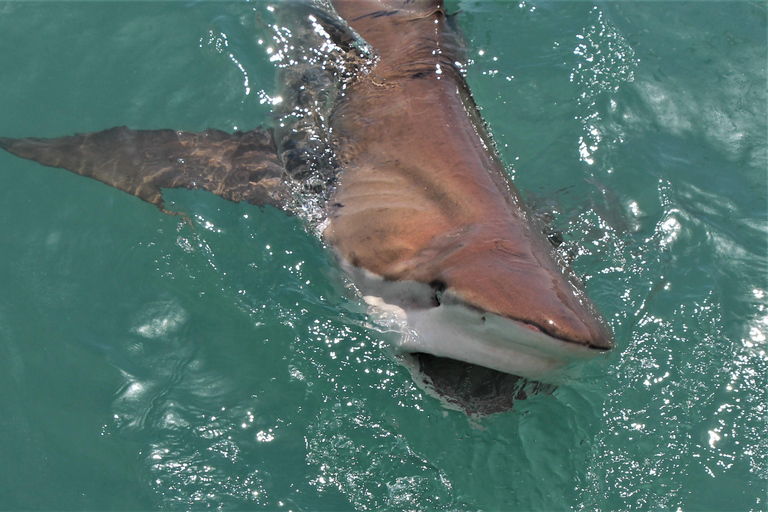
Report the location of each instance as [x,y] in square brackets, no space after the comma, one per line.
[151,363]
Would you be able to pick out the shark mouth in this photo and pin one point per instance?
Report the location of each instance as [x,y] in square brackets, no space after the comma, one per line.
[461,332]
[475,361]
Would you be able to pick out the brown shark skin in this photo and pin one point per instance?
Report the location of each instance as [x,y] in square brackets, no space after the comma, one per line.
[445,211]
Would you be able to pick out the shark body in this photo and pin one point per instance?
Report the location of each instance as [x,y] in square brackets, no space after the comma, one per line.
[416,203]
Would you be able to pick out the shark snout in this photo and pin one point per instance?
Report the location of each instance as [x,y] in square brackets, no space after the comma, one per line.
[565,315]
[527,286]
[582,325]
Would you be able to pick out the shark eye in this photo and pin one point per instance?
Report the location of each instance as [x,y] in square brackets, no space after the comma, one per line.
[437,289]
[555,237]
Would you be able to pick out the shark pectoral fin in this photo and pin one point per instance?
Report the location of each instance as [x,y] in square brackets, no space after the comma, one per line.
[240,166]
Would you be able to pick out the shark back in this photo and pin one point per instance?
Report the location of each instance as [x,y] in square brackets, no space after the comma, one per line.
[424,199]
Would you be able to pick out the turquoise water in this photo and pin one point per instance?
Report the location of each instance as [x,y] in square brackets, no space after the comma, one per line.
[146,363]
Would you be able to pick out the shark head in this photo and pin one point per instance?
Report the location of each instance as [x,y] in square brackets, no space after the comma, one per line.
[482,298]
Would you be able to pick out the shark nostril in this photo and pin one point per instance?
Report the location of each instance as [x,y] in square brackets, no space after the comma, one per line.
[533,327]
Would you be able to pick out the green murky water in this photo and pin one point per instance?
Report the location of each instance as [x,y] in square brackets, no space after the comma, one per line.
[145,364]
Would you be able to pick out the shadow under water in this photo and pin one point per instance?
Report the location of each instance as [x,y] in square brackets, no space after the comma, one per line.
[476,390]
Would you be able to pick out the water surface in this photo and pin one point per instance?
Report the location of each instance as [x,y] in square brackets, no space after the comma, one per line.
[146,363]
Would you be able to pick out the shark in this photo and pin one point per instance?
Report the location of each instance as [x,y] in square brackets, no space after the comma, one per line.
[379,134]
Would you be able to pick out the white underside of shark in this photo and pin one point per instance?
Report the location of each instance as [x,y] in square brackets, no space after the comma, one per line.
[455,330]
